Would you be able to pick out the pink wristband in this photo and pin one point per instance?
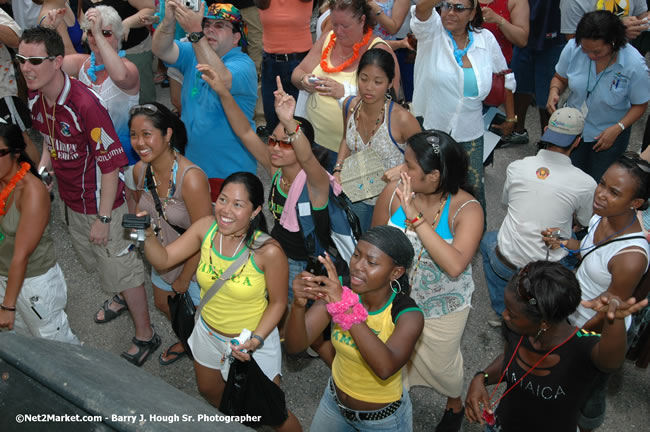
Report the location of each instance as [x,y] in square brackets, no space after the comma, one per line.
[348,298]
[341,314]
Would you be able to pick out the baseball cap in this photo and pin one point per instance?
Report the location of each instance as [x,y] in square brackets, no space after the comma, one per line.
[228,12]
[563,127]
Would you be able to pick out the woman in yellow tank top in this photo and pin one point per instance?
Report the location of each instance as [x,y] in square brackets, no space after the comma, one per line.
[375,325]
[328,71]
[254,298]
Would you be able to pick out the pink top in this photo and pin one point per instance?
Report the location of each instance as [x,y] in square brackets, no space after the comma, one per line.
[500,7]
[286,26]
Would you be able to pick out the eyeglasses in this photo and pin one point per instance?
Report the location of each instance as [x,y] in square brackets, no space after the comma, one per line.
[458,8]
[284,145]
[642,164]
[147,108]
[105,33]
[523,287]
[4,152]
[33,60]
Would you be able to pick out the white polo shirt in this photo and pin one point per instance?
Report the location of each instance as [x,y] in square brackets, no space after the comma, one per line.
[541,192]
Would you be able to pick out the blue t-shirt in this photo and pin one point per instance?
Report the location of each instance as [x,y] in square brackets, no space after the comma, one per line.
[612,92]
[212,144]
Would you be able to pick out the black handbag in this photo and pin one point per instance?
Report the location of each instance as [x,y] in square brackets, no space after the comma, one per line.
[181,312]
[249,392]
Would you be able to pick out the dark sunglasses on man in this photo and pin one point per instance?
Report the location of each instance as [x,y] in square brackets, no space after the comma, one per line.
[33,60]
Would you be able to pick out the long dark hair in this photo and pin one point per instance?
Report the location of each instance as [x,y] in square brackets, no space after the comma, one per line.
[162,118]
[436,150]
[255,190]
[548,290]
[394,243]
[13,138]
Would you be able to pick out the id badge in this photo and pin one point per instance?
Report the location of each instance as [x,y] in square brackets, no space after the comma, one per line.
[584,109]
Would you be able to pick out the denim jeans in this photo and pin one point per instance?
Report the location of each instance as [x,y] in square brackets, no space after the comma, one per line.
[328,417]
[497,274]
[295,267]
[596,163]
[364,213]
[474,151]
[270,69]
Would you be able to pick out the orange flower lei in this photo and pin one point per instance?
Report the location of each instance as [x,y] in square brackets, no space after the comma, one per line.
[355,53]
[24,167]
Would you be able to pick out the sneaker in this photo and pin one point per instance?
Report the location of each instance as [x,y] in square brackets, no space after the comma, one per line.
[451,421]
[515,138]
[494,319]
[311,353]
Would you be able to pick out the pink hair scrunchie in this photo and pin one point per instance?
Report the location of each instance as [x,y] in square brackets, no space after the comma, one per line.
[339,310]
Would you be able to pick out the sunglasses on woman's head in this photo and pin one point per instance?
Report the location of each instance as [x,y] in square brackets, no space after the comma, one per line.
[284,145]
[458,8]
[147,108]
[105,33]
[523,287]
[33,60]
[642,164]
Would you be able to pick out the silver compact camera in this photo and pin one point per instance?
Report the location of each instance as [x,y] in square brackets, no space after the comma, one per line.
[45,175]
[195,5]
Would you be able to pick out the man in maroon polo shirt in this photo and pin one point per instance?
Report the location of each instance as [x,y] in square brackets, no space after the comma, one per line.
[81,145]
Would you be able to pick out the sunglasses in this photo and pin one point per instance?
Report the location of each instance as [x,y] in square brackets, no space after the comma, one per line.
[147,108]
[105,33]
[33,60]
[284,145]
[642,164]
[523,287]
[458,8]
[434,141]
[4,152]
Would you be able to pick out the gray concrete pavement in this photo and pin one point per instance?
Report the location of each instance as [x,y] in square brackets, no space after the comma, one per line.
[305,378]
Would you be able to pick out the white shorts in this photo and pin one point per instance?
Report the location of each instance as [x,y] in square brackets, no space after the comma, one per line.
[40,306]
[209,349]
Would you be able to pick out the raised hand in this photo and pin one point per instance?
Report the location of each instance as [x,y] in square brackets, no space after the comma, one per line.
[209,75]
[285,104]
[614,306]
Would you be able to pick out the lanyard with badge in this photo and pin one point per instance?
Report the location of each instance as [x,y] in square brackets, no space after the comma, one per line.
[584,109]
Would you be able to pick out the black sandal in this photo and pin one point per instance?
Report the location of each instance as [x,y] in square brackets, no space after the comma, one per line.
[109,314]
[145,348]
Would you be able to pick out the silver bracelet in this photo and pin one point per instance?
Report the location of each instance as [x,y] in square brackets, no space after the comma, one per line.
[260,339]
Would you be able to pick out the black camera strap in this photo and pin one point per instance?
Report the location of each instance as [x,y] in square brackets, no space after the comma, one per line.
[151,186]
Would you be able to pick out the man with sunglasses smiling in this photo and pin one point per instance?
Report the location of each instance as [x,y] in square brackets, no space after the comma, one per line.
[214,34]
[81,144]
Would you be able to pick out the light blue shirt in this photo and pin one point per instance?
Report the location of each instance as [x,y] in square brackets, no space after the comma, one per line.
[470,86]
[212,144]
[621,85]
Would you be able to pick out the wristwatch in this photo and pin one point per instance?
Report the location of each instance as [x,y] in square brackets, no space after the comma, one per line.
[194,37]
[104,219]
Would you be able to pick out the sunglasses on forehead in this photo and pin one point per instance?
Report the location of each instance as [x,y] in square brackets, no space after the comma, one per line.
[33,60]
[105,33]
[146,108]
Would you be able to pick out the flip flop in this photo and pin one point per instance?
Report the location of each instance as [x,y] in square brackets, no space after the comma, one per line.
[110,314]
[168,352]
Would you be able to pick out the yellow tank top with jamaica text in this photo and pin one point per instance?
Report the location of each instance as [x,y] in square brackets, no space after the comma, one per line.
[241,301]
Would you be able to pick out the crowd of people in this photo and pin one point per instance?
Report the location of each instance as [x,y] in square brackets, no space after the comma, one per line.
[373,138]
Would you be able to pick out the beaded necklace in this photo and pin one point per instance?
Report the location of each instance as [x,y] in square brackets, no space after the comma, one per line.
[358,121]
[417,263]
[171,188]
[24,167]
[93,69]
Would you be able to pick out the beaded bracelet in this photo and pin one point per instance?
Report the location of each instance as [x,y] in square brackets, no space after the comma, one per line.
[410,224]
[294,136]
